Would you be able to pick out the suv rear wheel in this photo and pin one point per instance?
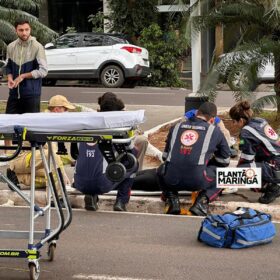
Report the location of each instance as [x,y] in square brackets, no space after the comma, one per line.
[112,76]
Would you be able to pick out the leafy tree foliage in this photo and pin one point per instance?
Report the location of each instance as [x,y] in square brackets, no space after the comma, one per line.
[12,10]
[165,50]
[97,21]
[259,43]
[132,16]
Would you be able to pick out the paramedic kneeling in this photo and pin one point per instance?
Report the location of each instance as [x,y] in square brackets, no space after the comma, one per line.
[260,147]
[194,149]
[90,176]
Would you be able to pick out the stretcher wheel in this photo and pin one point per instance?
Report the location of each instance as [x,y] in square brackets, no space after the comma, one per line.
[115,171]
[34,271]
[129,161]
[51,251]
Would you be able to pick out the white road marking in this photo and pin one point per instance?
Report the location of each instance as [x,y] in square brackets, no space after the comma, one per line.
[105,277]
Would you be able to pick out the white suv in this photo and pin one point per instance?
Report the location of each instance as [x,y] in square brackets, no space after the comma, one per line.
[239,79]
[107,57]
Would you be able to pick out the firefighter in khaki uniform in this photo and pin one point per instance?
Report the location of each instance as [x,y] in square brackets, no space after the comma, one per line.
[20,168]
[193,151]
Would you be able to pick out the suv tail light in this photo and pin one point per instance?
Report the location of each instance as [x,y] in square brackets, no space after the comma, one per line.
[132,49]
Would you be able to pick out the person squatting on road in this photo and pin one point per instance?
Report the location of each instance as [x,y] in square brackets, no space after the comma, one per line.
[89,176]
[148,179]
[260,147]
[193,151]
[19,171]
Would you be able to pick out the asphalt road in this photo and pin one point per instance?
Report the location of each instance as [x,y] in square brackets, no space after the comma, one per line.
[145,96]
[136,96]
[123,246]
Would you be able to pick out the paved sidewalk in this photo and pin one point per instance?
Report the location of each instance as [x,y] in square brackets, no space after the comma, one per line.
[151,203]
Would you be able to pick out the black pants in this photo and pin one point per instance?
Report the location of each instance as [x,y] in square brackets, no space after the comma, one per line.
[23,105]
[151,180]
[269,173]
[147,180]
[195,178]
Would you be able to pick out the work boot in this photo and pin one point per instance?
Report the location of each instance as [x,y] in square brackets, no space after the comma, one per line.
[271,192]
[60,201]
[91,202]
[61,149]
[12,176]
[119,206]
[200,206]
[172,203]
[163,196]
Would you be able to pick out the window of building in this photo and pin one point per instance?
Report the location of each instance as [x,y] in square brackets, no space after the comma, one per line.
[72,13]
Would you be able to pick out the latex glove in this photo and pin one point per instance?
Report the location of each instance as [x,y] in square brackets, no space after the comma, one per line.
[191,114]
[217,120]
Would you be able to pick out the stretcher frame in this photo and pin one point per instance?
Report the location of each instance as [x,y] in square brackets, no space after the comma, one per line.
[115,145]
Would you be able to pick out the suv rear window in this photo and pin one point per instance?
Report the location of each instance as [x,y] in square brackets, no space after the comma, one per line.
[68,41]
[117,40]
[93,40]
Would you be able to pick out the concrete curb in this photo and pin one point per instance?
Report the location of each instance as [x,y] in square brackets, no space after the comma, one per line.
[139,204]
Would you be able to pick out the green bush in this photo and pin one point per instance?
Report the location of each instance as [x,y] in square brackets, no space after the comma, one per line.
[165,50]
[130,17]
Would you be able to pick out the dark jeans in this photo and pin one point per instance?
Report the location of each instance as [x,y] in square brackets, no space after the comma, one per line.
[23,105]
[101,185]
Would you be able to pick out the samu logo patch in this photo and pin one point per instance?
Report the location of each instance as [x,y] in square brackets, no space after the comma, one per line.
[189,137]
[270,133]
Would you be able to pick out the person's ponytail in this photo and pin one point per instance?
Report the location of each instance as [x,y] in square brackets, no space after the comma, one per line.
[241,110]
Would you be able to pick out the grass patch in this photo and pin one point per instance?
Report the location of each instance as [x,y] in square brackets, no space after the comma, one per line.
[3,107]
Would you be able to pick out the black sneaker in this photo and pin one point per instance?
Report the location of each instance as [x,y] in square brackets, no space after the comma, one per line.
[271,192]
[60,201]
[172,203]
[91,202]
[12,176]
[119,206]
[200,206]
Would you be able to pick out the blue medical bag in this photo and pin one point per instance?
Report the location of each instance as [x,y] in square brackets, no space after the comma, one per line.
[242,228]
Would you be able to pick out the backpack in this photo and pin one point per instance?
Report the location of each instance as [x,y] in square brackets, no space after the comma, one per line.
[242,228]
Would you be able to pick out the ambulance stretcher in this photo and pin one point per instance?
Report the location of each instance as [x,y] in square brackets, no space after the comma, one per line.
[113,131]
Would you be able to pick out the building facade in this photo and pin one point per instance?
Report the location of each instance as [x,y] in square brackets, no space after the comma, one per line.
[61,14]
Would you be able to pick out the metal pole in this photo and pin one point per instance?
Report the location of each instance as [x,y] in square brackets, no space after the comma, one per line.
[196,52]
[32,197]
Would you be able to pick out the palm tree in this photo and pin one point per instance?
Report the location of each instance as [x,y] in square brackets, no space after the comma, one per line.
[11,10]
[259,43]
